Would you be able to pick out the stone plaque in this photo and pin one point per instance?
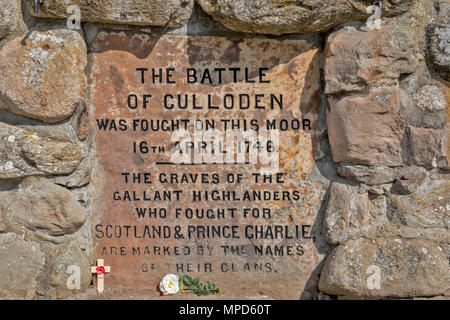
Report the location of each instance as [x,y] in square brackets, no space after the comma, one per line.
[169,194]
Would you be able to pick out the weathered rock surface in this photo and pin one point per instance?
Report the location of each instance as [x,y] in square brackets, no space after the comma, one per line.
[66,272]
[444,10]
[366,129]
[9,13]
[408,183]
[347,213]
[424,145]
[45,208]
[386,268]
[2,227]
[278,17]
[20,263]
[370,175]
[43,79]
[82,126]
[426,207]
[444,150]
[439,49]
[429,98]
[79,178]
[172,13]
[424,107]
[24,153]
[356,59]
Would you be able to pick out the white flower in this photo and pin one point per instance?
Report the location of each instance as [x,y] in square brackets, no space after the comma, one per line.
[169,284]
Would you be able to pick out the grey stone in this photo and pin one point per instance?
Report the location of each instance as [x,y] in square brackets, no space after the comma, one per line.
[408,183]
[370,175]
[9,14]
[44,78]
[20,263]
[366,129]
[67,271]
[279,17]
[170,13]
[44,208]
[443,11]
[2,227]
[347,213]
[25,153]
[79,178]
[357,59]
[386,267]
[424,144]
[439,49]
[424,107]
[426,208]
[444,150]
[430,99]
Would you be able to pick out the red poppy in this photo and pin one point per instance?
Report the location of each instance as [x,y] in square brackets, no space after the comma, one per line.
[100,270]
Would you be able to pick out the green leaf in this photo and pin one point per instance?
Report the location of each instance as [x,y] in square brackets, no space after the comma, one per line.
[187,280]
[195,286]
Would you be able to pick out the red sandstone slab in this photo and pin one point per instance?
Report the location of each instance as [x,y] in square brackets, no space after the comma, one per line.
[280,266]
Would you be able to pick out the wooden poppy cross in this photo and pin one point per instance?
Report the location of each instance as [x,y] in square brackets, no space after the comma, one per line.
[100,270]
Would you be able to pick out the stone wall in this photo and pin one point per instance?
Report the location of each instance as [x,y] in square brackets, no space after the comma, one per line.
[381,143]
